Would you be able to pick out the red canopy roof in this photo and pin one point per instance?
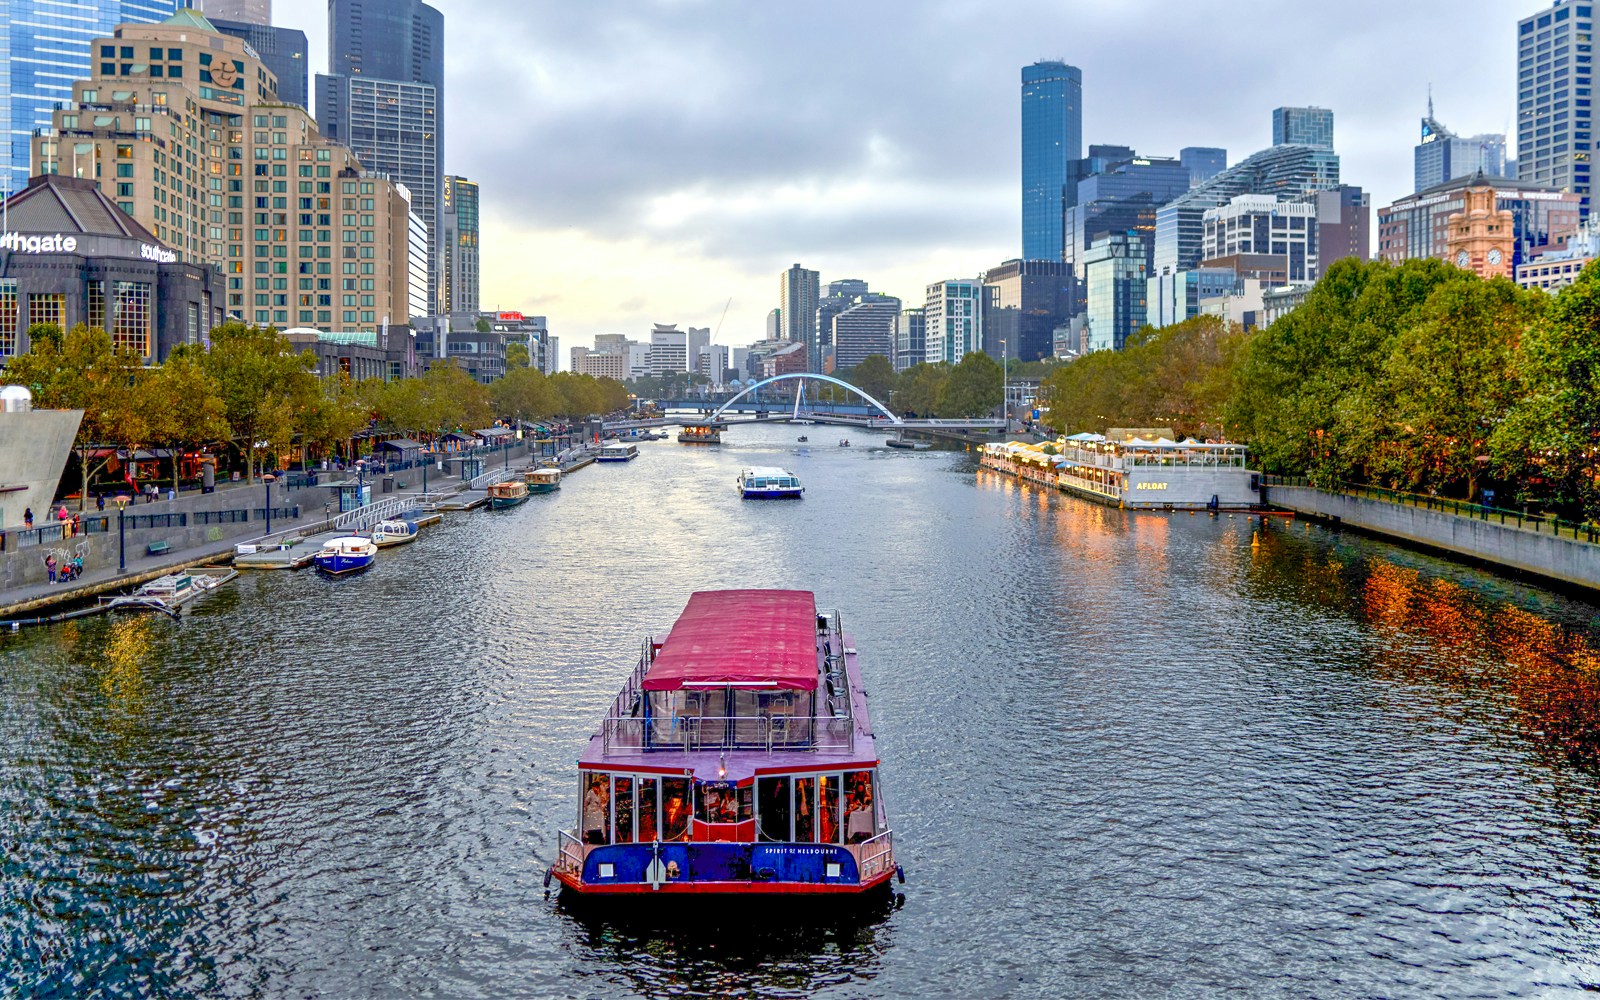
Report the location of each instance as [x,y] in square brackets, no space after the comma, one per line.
[740,637]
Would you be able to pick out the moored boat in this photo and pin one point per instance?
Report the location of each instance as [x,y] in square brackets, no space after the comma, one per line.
[738,760]
[393,532]
[171,592]
[507,494]
[906,444]
[617,451]
[345,555]
[542,480]
[769,483]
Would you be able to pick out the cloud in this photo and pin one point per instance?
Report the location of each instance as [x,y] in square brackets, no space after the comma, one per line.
[676,152]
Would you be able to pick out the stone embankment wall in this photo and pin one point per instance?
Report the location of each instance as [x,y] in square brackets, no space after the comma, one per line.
[1567,560]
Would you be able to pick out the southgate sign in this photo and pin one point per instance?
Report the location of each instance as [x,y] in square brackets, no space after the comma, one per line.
[63,243]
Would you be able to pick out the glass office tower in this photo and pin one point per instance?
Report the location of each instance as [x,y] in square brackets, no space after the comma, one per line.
[1555,114]
[1052,138]
[46,49]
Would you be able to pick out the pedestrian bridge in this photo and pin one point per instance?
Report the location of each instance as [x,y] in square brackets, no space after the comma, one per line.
[746,407]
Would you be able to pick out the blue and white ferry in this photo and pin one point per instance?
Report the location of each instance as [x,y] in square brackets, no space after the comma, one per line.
[618,451]
[769,483]
[738,761]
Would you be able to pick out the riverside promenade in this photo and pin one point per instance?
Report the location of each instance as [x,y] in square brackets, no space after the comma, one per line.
[206,528]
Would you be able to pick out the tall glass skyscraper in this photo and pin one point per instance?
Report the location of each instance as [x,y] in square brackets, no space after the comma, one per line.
[45,44]
[1052,138]
[1555,142]
[383,96]
[1302,127]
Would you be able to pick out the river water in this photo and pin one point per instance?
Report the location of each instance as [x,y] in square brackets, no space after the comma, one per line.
[1126,755]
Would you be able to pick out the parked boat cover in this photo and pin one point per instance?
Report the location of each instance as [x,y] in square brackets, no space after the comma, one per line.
[740,637]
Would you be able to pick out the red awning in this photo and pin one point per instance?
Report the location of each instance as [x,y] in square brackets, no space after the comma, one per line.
[740,638]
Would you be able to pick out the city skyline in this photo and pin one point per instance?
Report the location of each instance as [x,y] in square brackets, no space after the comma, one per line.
[612,207]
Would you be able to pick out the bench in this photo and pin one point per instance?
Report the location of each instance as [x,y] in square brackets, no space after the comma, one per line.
[158,548]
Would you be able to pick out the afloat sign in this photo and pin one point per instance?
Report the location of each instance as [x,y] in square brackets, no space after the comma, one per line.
[18,243]
[1151,486]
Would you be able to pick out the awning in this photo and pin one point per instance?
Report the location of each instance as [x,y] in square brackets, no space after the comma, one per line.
[494,432]
[401,444]
[755,638]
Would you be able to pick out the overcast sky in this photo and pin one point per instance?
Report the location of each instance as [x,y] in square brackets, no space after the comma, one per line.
[647,160]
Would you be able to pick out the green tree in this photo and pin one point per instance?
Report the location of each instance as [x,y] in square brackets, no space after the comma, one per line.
[81,371]
[481,325]
[335,414]
[974,388]
[920,388]
[264,383]
[516,355]
[875,376]
[184,406]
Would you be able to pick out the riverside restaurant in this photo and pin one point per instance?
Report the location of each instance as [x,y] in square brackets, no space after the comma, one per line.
[1134,472]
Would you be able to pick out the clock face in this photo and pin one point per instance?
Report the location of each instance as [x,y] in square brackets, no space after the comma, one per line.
[1463,259]
[1495,257]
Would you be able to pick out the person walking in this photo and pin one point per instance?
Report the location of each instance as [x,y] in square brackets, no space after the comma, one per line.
[27,517]
[100,502]
[50,566]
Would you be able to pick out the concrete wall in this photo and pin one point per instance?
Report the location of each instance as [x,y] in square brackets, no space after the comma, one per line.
[34,448]
[1565,559]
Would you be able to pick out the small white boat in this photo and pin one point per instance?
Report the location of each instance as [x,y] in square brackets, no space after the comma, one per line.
[393,532]
[617,451]
[169,593]
[345,556]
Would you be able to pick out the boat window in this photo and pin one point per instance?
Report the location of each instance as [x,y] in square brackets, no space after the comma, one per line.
[648,809]
[805,810]
[597,809]
[717,802]
[858,808]
[674,808]
[773,801]
[623,797]
[828,809]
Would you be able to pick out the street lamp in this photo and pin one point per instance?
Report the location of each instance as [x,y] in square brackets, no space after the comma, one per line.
[122,536]
[1005,401]
[267,479]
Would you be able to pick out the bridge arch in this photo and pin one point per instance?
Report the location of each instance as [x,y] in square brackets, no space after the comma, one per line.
[801,376]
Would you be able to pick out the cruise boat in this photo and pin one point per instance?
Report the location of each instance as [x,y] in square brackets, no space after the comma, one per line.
[393,532]
[542,480]
[508,494]
[700,434]
[1135,471]
[738,760]
[769,483]
[345,556]
[618,451]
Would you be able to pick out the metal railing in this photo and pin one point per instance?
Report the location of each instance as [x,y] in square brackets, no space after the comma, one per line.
[488,479]
[1538,523]
[692,733]
[569,854]
[876,856]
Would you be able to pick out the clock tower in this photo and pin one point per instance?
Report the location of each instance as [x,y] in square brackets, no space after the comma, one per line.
[1481,235]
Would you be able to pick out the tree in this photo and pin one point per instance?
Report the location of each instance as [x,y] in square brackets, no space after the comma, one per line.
[920,388]
[481,325]
[525,394]
[81,371]
[974,388]
[185,407]
[264,384]
[516,356]
[340,409]
[874,376]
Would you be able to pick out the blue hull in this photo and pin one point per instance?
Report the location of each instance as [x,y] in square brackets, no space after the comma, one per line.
[501,503]
[343,565]
[772,494]
[619,458]
[719,867]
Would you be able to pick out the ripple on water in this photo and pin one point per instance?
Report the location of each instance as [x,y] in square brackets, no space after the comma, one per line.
[1127,756]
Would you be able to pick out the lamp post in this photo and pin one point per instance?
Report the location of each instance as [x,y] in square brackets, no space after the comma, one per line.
[1005,402]
[426,461]
[267,479]
[122,536]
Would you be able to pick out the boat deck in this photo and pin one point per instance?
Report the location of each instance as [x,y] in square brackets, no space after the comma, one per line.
[296,556]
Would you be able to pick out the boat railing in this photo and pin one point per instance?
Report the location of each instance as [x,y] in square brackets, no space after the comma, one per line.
[569,854]
[489,479]
[689,734]
[876,856]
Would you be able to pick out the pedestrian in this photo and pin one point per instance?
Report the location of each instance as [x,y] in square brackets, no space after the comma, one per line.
[100,502]
[27,518]
[172,493]
[62,515]
[76,524]
[50,566]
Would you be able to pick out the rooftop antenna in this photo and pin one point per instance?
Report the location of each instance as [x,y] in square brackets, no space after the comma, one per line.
[1430,100]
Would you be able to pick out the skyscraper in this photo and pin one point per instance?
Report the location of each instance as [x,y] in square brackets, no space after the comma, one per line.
[284,52]
[44,48]
[1052,138]
[246,11]
[1555,118]
[1443,156]
[797,305]
[953,320]
[1204,162]
[458,247]
[383,96]
[1302,127]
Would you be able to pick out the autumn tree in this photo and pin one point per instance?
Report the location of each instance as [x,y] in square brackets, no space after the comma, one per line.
[264,383]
